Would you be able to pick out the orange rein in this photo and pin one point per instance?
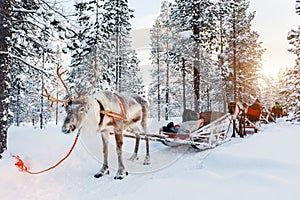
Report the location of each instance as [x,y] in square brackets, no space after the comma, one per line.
[22,167]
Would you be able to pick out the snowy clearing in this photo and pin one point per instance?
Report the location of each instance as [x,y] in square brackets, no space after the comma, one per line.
[261,166]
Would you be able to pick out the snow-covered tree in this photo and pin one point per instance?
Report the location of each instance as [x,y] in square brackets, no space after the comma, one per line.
[31,41]
[157,71]
[199,18]
[5,35]
[88,48]
[116,27]
[291,91]
[132,77]
[163,87]
[241,54]
[30,51]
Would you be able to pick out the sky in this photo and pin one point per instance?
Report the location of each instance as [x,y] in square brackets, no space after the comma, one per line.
[274,19]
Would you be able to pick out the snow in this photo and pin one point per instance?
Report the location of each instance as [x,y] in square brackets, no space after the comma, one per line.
[261,166]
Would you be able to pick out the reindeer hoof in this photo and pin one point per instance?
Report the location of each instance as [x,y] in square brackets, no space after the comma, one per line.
[147,160]
[121,175]
[134,157]
[102,173]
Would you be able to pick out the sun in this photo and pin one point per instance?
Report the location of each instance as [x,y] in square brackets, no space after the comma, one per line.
[269,71]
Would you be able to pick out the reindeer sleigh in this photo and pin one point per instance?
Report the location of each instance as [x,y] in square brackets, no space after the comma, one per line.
[123,114]
[215,131]
[247,119]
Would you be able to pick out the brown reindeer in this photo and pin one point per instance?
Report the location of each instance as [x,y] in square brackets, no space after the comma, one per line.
[238,111]
[107,113]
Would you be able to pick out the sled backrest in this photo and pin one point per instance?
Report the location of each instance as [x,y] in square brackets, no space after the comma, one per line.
[211,116]
[253,114]
[189,115]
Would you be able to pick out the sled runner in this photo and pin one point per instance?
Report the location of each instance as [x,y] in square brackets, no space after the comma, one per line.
[214,132]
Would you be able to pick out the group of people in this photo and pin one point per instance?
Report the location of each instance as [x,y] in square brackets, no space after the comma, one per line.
[253,113]
[256,109]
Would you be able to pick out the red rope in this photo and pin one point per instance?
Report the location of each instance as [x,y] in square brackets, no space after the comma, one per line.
[22,167]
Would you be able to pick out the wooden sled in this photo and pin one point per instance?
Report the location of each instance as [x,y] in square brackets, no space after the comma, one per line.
[252,120]
[214,133]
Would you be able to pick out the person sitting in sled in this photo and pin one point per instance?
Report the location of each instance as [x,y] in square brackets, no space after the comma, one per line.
[277,110]
[184,127]
[254,111]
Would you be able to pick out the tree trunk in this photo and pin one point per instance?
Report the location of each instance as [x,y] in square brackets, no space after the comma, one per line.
[234,60]
[196,79]
[167,94]
[158,89]
[5,34]
[197,57]
[183,83]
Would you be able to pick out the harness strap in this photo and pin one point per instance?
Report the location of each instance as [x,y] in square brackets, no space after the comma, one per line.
[114,115]
[120,117]
[121,103]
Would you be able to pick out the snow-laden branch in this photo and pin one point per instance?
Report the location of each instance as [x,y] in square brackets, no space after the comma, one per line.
[30,65]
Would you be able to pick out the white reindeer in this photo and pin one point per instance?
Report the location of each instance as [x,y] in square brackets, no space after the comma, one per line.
[110,113]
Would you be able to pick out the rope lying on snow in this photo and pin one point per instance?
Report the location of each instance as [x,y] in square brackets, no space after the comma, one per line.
[22,167]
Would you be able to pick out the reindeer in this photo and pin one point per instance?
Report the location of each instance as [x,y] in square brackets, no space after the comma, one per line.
[108,113]
[238,111]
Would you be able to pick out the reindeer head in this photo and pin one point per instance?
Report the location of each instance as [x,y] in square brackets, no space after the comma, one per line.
[76,112]
[231,107]
[76,107]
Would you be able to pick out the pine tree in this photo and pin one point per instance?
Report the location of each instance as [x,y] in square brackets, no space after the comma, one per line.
[116,27]
[199,18]
[241,58]
[291,91]
[85,44]
[5,35]
[132,77]
[32,56]
[27,37]
[155,92]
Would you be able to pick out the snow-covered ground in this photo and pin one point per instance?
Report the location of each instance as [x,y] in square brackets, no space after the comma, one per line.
[265,165]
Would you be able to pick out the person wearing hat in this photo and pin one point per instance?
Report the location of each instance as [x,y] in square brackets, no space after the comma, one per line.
[254,111]
[277,110]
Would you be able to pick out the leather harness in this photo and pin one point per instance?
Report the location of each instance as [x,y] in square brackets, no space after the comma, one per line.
[120,117]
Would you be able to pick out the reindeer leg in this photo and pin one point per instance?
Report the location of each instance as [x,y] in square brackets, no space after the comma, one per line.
[147,157]
[145,130]
[121,173]
[134,156]
[234,129]
[104,170]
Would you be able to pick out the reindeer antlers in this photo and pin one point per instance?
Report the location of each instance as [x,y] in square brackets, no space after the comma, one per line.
[62,81]
[53,99]
[70,99]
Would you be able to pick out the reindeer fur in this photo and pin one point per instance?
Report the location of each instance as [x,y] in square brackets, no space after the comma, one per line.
[238,111]
[85,115]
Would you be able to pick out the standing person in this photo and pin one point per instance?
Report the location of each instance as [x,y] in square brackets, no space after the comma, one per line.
[277,110]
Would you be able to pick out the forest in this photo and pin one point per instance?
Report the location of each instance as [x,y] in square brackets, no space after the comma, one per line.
[204,54]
